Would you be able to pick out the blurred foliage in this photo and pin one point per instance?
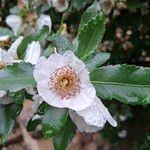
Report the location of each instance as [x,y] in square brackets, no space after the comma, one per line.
[127,34]
[3,11]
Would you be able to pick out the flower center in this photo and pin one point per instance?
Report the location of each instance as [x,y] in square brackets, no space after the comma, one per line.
[64,82]
[4,43]
[2,65]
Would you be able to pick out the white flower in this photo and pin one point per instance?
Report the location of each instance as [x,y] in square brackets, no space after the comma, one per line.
[33,52]
[44,20]
[5,59]
[13,49]
[14,22]
[60,5]
[63,81]
[4,37]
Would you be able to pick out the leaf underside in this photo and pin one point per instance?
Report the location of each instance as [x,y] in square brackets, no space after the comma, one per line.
[128,84]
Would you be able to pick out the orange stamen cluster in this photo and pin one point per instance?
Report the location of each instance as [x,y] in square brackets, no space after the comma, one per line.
[64,82]
[2,65]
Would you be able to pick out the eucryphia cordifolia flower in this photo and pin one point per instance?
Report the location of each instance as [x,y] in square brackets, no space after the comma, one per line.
[63,81]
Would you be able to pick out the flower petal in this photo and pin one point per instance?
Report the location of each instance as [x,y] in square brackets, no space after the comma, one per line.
[56,60]
[81,124]
[49,65]
[38,98]
[59,6]
[33,52]
[44,20]
[43,69]
[13,49]
[2,93]
[74,62]
[5,58]
[31,90]
[37,102]
[4,37]
[106,114]
[97,114]
[14,22]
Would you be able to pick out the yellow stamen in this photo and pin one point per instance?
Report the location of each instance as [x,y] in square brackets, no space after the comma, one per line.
[2,65]
[64,82]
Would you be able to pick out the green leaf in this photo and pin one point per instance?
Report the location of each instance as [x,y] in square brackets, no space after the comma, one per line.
[6,123]
[14,109]
[98,60]
[54,120]
[18,97]
[38,36]
[64,137]
[126,83]
[14,10]
[49,50]
[5,31]
[18,11]
[91,31]
[90,14]
[16,77]
[61,43]
[32,124]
